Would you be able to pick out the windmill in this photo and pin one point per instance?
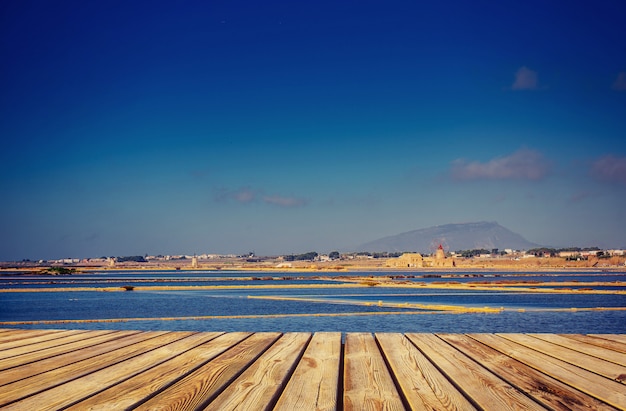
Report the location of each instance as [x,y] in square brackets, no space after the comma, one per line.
[438,244]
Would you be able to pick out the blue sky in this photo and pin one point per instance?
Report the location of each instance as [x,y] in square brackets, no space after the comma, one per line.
[283,127]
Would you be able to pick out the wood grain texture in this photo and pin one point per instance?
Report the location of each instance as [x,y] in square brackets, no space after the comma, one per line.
[75,390]
[15,338]
[601,353]
[43,343]
[259,386]
[620,338]
[261,371]
[315,382]
[56,350]
[144,385]
[32,367]
[423,386]
[597,341]
[367,381]
[546,390]
[602,388]
[49,379]
[485,388]
[202,385]
[588,362]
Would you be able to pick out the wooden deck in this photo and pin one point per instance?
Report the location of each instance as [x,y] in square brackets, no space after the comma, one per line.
[80,370]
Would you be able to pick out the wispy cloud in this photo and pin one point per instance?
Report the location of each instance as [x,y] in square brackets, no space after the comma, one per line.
[247,195]
[620,82]
[241,195]
[610,168]
[524,164]
[244,195]
[287,202]
[525,79]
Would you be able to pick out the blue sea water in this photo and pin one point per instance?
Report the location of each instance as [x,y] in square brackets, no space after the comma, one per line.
[314,309]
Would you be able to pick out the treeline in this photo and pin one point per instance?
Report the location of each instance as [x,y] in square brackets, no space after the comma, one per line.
[335,255]
[59,270]
[134,258]
[478,251]
[384,254]
[538,252]
[301,257]
[553,252]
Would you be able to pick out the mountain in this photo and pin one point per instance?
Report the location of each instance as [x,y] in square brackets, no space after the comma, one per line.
[454,237]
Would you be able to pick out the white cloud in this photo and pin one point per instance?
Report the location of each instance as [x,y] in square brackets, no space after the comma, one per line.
[525,79]
[610,168]
[524,164]
[620,82]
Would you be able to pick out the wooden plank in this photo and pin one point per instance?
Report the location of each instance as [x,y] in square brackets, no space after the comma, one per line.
[621,338]
[136,389]
[600,342]
[202,385]
[59,343]
[45,341]
[367,382]
[602,388]
[315,382]
[546,390]
[423,386]
[259,385]
[79,342]
[159,370]
[70,392]
[597,365]
[31,369]
[46,380]
[588,349]
[486,389]
[12,336]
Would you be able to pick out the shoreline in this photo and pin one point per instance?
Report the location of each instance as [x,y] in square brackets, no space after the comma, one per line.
[353,265]
[459,269]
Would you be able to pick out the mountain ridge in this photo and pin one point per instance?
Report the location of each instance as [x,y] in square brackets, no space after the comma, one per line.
[453,237]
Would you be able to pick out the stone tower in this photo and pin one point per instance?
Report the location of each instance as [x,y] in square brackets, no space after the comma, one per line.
[440,254]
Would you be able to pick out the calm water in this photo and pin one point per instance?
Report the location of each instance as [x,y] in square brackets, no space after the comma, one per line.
[355,309]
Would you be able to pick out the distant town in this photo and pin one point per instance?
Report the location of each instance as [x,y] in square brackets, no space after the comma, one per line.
[538,258]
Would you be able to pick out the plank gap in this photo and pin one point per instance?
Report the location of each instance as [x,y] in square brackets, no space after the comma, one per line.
[206,403]
[447,377]
[288,375]
[394,378]
[342,365]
